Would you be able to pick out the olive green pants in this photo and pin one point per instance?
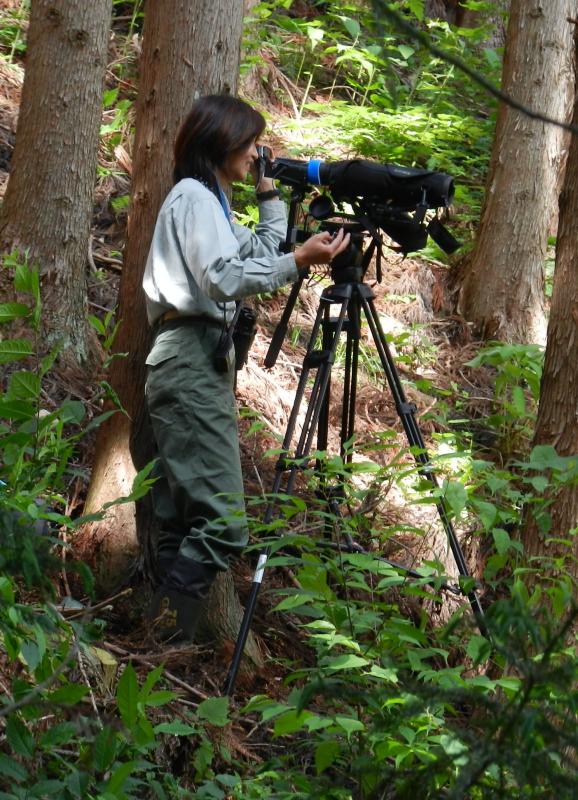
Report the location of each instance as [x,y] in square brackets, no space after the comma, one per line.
[198,495]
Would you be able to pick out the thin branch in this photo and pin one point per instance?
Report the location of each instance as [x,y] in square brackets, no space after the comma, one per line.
[419,36]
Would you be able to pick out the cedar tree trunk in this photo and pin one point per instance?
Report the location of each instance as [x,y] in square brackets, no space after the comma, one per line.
[503,289]
[557,423]
[48,204]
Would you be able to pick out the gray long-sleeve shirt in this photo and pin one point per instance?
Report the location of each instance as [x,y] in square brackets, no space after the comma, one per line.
[198,263]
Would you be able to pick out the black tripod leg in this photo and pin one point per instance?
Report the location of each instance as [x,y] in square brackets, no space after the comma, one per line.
[406,412]
[322,360]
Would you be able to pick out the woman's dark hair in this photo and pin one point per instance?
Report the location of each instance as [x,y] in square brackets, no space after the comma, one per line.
[217,126]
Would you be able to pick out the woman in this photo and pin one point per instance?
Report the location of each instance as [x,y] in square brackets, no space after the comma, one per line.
[200,263]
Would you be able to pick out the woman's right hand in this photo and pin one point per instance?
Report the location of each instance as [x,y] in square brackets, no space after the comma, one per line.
[321,248]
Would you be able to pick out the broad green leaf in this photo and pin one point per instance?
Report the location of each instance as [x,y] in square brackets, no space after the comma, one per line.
[417,8]
[10,311]
[24,386]
[176,729]
[406,51]
[384,673]
[478,649]
[119,777]
[501,540]
[456,497]
[544,456]
[349,725]
[150,681]
[72,411]
[19,738]
[97,324]
[518,401]
[26,281]
[293,601]
[14,350]
[291,721]
[315,35]
[70,694]
[127,694]
[58,735]
[487,512]
[325,755]
[160,698]
[105,749]
[9,768]
[215,710]
[352,26]
[346,661]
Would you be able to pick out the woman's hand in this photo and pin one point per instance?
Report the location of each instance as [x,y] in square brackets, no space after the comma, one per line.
[321,248]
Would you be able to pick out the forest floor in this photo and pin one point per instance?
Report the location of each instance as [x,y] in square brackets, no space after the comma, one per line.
[430,343]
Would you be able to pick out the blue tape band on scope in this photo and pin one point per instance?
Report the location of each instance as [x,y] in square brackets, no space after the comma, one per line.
[313,172]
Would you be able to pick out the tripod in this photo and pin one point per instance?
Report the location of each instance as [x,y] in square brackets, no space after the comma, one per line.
[352,298]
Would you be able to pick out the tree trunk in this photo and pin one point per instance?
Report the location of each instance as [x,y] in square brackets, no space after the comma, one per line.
[557,423]
[48,204]
[192,51]
[503,289]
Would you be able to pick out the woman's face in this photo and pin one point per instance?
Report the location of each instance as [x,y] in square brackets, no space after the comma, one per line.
[239,163]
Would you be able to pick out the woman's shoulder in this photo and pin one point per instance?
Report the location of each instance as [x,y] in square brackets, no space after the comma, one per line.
[189,188]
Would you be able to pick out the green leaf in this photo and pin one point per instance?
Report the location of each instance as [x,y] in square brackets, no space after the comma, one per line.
[119,777]
[105,749]
[325,755]
[24,385]
[17,410]
[160,698]
[58,735]
[518,401]
[315,35]
[9,768]
[544,456]
[215,710]
[72,411]
[69,695]
[291,721]
[14,350]
[384,673]
[10,311]
[26,281]
[539,483]
[352,26]
[406,51]
[456,497]
[501,540]
[19,738]
[478,649]
[97,324]
[349,724]
[417,8]
[151,680]
[487,512]
[346,661]
[109,97]
[293,601]
[127,695]
[176,729]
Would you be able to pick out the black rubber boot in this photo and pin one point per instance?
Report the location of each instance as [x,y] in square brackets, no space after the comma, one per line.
[174,616]
[177,604]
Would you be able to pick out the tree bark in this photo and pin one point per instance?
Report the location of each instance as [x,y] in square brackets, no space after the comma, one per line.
[503,290]
[557,422]
[190,52]
[48,204]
